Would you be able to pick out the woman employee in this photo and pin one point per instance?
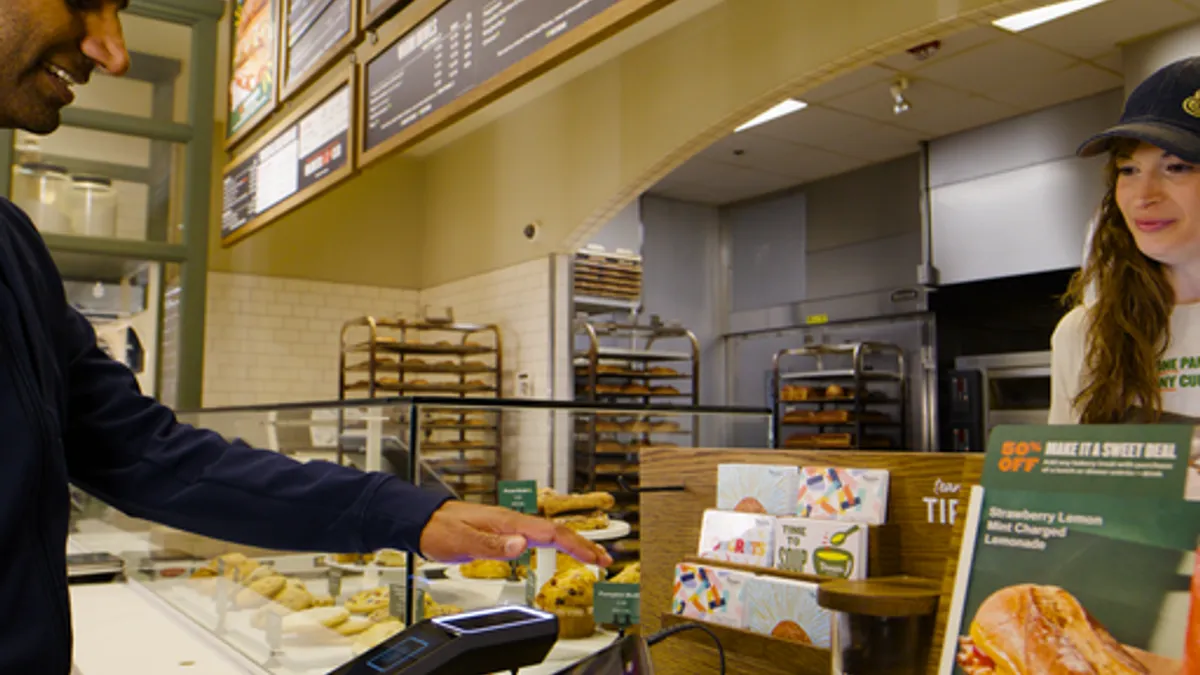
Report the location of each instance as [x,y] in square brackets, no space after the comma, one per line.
[1129,351]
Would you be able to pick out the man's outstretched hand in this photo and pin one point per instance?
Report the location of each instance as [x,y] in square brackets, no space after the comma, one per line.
[461,532]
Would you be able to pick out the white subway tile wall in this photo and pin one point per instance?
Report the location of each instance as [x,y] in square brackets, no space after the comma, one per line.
[517,299]
[273,340]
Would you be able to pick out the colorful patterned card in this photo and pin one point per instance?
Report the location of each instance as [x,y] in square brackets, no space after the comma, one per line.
[745,538]
[787,609]
[757,488]
[830,493]
[823,547]
[710,594]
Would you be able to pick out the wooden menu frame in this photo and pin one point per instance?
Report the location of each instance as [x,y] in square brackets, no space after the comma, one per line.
[369,19]
[254,121]
[288,88]
[344,76]
[588,34]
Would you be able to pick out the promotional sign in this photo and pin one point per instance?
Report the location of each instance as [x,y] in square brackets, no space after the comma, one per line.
[315,29]
[294,162]
[617,604]
[1079,549]
[253,64]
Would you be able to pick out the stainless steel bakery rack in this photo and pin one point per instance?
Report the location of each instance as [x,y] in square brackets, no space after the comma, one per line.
[607,283]
[389,357]
[632,365]
[852,395]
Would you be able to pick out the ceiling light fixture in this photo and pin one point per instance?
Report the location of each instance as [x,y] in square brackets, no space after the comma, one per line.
[1035,17]
[788,107]
[900,105]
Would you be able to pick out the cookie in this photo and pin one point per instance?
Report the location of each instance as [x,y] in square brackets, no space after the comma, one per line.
[294,598]
[315,620]
[376,634]
[353,625]
[365,602]
[486,569]
[322,601]
[259,592]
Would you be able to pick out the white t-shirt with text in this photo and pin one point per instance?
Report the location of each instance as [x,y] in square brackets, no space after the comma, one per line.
[1179,369]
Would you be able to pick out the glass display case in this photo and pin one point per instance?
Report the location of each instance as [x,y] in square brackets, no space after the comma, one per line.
[309,612]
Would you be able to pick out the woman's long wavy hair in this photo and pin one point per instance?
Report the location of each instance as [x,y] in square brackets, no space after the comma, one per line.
[1129,322]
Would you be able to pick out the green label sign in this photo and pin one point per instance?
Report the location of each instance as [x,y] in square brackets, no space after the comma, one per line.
[617,604]
[519,495]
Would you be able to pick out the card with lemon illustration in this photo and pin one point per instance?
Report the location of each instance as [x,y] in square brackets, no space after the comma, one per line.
[822,547]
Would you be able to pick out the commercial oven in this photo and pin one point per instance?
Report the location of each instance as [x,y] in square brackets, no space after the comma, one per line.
[988,390]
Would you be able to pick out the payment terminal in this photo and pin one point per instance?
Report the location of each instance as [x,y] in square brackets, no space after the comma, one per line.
[473,643]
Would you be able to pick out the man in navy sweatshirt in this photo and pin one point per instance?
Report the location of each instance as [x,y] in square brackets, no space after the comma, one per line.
[69,413]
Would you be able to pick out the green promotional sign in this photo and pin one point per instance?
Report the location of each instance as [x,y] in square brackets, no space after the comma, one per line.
[617,604]
[1073,521]
[519,495]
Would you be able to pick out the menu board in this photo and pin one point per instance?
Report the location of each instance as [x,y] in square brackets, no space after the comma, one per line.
[314,28]
[460,46]
[294,159]
[376,9]
[253,62]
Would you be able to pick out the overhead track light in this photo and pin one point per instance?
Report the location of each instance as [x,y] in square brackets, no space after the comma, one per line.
[900,105]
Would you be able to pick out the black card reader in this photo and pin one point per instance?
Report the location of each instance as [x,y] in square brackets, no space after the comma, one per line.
[473,643]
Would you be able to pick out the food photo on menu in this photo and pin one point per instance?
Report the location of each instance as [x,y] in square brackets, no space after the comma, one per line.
[1082,557]
[250,86]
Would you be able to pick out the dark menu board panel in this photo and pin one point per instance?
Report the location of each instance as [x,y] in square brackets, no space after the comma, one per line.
[462,45]
[253,63]
[297,157]
[374,6]
[321,30]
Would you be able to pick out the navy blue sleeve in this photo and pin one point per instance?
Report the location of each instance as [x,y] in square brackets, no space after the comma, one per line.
[131,451]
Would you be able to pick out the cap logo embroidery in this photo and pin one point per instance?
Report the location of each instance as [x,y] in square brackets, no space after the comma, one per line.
[1191,104]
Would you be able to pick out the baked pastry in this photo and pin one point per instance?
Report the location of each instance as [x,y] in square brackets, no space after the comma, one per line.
[639,427]
[609,446]
[347,558]
[323,601]
[373,636]
[1029,628]
[664,427]
[568,596]
[635,390]
[750,505]
[608,389]
[630,575]
[662,371]
[486,569]
[315,620]
[793,392]
[433,609]
[390,557]
[556,503]
[835,391]
[597,520]
[353,626]
[665,391]
[294,596]
[607,426]
[259,592]
[365,602]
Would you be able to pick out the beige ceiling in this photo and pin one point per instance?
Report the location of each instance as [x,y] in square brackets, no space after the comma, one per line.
[979,76]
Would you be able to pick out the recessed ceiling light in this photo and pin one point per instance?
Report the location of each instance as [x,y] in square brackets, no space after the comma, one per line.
[788,107]
[1036,17]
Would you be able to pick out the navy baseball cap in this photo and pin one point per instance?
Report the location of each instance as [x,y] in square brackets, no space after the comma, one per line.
[1164,110]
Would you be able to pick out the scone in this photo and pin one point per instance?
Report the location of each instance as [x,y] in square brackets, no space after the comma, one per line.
[365,602]
[294,597]
[556,504]
[486,569]
[630,575]
[569,597]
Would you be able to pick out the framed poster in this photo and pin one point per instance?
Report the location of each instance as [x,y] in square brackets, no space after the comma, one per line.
[253,66]
[315,34]
[305,154]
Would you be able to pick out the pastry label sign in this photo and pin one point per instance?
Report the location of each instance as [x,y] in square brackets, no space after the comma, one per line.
[1078,549]
[519,495]
[618,604]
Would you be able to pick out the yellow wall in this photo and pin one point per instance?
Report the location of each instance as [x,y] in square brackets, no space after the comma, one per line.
[365,231]
[575,156]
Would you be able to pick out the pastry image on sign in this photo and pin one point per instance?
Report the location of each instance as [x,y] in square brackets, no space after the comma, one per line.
[1029,628]
[757,488]
[252,82]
